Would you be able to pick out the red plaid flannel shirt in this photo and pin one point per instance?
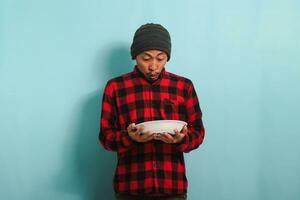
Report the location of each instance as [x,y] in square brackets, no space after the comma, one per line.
[153,167]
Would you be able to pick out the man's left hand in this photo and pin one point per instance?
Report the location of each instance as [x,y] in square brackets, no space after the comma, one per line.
[168,138]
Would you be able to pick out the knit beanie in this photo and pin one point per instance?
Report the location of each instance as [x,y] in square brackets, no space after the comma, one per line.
[151,36]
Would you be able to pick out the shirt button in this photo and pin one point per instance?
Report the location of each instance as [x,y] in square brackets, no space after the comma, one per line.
[154,165]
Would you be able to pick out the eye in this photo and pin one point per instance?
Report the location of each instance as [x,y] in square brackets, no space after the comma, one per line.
[146,58]
[161,59]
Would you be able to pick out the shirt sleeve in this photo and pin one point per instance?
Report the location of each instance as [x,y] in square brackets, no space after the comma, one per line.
[110,136]
[196,129]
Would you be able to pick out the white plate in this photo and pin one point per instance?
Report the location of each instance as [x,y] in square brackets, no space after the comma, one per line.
[162,126]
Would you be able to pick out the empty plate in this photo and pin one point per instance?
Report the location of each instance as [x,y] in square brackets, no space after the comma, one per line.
[162,126]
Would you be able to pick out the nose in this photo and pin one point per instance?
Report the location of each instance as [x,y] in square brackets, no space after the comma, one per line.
[153,65]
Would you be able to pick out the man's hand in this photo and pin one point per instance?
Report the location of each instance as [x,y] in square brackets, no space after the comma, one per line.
[168,138]
[137,133]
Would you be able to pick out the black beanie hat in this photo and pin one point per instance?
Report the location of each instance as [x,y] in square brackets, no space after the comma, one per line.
[151,36]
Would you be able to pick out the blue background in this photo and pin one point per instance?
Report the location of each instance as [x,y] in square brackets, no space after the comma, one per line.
[242,55]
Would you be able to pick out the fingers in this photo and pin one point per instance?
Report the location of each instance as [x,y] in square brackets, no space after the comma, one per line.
[138,135]
[176,138]
[143,137]
[179,136]
[168,136]
[146,136]
[165,137]
[131,127]
[132,131]
[184,130]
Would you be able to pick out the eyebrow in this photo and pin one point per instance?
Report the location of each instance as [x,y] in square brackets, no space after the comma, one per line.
[148,54]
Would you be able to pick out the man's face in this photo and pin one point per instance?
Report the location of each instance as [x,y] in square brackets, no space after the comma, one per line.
[151,63]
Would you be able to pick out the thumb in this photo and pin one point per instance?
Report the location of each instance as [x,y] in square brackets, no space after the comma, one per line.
[185,129]
[131,127]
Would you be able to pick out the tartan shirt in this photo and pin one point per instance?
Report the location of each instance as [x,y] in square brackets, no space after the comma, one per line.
[153,167]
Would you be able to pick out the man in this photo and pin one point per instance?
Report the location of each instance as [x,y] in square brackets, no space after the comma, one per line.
[150,166]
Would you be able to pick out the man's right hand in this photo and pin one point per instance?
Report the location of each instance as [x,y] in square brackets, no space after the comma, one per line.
[137,133]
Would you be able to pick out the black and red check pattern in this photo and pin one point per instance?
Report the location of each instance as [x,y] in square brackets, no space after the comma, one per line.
[153,167]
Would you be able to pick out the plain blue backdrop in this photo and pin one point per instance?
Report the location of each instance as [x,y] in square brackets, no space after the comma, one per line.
[242,55]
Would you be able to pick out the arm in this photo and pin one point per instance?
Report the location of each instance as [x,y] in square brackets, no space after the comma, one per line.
[110,136]
[195,133]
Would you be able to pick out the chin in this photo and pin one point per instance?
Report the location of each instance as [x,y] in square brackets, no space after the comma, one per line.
[152,80]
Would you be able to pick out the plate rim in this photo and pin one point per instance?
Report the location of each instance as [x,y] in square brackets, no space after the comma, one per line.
[163,120]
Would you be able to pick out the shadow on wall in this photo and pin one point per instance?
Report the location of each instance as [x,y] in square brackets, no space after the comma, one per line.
[119,61]
[90,172]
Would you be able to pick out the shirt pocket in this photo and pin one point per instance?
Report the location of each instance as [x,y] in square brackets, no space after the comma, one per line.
[173,110]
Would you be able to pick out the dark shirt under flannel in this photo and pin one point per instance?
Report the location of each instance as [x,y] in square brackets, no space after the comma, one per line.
[153,167]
